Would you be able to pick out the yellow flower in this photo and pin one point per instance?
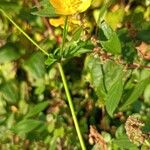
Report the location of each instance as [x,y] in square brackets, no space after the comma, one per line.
[72,20]
[70,7]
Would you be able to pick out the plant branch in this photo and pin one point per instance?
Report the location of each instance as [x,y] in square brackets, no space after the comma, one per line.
[71,107]
[67,89]
[64,33]
[25,34]
[61,72]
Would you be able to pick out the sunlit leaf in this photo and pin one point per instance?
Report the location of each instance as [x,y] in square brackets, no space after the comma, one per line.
[114,95]
[111,43]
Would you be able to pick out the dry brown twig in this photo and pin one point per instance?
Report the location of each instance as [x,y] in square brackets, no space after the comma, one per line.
[104,56]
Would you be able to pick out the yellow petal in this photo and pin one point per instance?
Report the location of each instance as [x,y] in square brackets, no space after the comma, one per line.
[70,7]
[57,21]
[84,5]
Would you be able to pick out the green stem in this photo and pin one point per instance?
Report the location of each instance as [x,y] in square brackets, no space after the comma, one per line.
[64,33]
[67,89]
[25,34]
[71,106]
[61,72]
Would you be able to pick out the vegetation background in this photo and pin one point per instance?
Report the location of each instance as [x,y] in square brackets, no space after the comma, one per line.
[106,64]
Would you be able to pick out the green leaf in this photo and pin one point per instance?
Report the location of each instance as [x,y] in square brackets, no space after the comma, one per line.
[114,95]
[9,91]
[47,10]
[107,30]
[59,132]
[146,127]
[10,6]
[37,109]
[94,67]
[123,142]
[35,65]
[102,76]
[51,126]
[111,42]
[26,126]
[143,35]
[96,147]
[77,34]
[137,92]
[8,53]
[77,48]
[10,120]
[115,17]
[50,60]
[100,13]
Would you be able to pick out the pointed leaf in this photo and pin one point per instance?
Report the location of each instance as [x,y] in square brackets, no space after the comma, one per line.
[50,60]
[9,91]
[102,76]
[35,65]
[77,48]
[111,42]
[26,126]
[114,95]
[37,109]
[137,92]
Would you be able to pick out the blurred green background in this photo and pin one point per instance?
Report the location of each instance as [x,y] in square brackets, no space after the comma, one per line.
[34,112]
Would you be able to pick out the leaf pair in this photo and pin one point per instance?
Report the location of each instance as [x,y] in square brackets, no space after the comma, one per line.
[71,49]
[107,80]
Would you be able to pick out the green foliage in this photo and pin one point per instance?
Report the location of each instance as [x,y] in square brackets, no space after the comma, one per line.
[36,109]
[26,126]
[112,43]
[10,6]
[123,142]
[9,91]
[37,69]
[77,48]
[46,10]
[114,95]
[8,53]
[137,91]
[103,76]
[105,56]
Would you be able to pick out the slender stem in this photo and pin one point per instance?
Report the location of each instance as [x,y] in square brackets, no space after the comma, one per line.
[25,34]
[61,72]
[64,34]
[71,106]
[67,89]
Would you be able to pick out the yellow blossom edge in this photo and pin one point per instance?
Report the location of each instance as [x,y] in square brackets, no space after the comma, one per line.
[70,7]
